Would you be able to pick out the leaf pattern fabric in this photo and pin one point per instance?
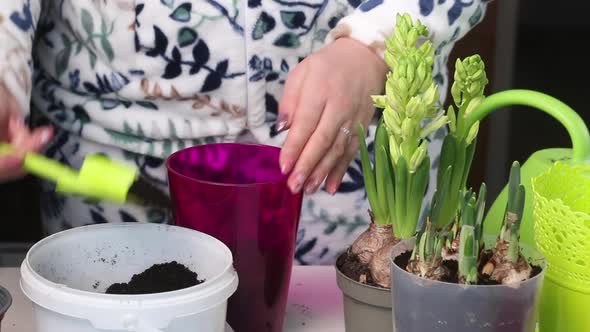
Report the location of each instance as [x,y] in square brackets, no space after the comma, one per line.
[140,79]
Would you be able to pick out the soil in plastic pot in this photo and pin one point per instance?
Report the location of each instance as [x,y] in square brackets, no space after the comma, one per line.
[350,265]
[159,278]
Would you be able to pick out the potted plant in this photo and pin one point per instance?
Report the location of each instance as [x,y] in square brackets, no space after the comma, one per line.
[397,181]
[5,302]
[451,278]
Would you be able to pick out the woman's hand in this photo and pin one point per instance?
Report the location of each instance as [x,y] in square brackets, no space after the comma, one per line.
[14,132]
[326,96]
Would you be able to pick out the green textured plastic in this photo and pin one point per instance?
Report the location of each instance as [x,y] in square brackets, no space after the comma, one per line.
[99,177]
[540,161]
[562,231]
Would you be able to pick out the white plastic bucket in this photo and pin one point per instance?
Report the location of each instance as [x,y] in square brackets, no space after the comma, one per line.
[65,276]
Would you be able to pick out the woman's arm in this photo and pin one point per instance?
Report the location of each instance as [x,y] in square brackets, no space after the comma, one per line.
[447,20]
[18,21]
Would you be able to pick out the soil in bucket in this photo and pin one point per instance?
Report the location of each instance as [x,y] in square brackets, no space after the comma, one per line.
[159,278]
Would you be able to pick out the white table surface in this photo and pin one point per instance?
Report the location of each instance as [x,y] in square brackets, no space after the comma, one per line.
[315,302]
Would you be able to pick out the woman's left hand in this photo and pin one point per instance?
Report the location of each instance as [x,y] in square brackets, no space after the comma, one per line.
[326,96]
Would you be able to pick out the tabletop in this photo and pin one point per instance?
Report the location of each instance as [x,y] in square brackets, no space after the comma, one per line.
[315,302]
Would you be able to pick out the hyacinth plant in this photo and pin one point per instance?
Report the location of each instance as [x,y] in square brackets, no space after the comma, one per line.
[397,182]
[502,264]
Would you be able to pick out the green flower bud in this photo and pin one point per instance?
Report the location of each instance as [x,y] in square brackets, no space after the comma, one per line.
[452,119]
[379,101]
[434,125]
[407,127]
[472,133]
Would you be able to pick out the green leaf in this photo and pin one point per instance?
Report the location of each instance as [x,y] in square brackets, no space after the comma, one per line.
[186,36]
[447,156]
[368,175]
[401,188]
[381,161]
[107,48]
[87,22]
[288,40]
[92,58]
[469,153]
[167,147]
[417,191]
[147,104]
[293,19]
[182,13]
[103,27]
[172,129]
[109,104]
[62,60]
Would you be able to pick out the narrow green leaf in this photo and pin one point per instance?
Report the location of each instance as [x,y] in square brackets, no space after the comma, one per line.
[381,161]
[447,155]
[107,48]
[401,187]
[368,175]
[469,154]
[87,22]
[417,190]
[390,191]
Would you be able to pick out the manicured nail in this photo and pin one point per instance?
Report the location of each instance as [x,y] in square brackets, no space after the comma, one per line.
[281,122]
[298,184]
[286,167]
[45,136]
[312,186]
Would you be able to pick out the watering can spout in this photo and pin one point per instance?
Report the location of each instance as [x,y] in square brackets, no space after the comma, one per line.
[540,161]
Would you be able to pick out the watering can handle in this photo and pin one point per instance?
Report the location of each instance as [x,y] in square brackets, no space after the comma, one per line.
[571,120]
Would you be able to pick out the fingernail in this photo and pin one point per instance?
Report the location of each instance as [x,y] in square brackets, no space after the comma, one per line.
[312,186]
[286,167]
[281,122]
[298,184]
[45,136]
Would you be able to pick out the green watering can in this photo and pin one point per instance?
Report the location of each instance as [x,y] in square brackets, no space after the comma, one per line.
[540,161]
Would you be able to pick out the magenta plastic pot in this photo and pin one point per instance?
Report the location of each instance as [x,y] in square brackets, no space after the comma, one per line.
[5,303]
[237,193]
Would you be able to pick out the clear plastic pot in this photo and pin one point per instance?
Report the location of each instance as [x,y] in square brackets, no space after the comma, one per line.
[421,305]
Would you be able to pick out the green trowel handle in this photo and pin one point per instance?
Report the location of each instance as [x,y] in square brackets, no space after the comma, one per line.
[42,166]
[572,122]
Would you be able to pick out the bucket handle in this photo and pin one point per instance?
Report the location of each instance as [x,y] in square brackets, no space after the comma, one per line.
[571,120]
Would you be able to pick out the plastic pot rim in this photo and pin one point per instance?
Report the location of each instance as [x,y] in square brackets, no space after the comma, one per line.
[117,298]
[359,283]
[435,283]
[221,184]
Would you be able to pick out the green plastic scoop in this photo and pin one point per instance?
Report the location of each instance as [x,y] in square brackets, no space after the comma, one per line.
[99,178]
[540,161]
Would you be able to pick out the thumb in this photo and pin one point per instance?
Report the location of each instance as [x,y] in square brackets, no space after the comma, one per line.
[10,168]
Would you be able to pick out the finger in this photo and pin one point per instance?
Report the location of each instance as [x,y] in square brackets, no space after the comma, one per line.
[305,120]
[23,140]
[290,97]
[335,176]
[320,143]
[10,168]
[329,161]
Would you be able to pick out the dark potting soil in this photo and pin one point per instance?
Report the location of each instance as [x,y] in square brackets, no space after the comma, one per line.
[350,265]
[453,266]
[158,278]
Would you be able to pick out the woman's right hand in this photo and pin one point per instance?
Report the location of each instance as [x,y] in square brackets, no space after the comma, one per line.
[14,131]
